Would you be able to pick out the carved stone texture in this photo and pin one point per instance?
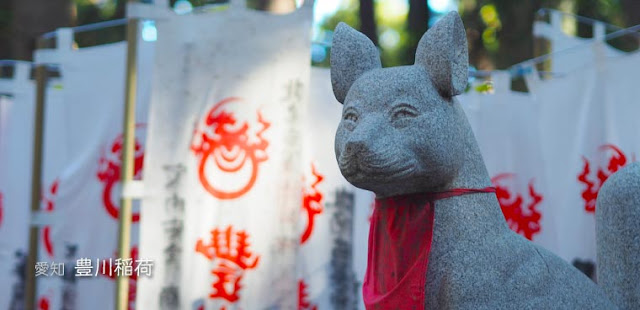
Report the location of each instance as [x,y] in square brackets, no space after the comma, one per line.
[403,132]
[617,224]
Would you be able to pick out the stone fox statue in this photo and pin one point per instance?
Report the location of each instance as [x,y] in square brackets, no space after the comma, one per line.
[438,238]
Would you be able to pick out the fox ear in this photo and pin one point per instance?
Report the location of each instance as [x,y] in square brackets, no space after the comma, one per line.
[352,54]
[442,51]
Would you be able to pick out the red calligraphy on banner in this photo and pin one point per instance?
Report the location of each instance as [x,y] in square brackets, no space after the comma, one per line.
[230,250]
[48,199]
[44,303]
[110,270]
[524,220]
[303,297]
[109,169]
[312,203]
[226,141]
[615,159]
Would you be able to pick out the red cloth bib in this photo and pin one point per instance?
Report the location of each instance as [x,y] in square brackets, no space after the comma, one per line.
[399,244]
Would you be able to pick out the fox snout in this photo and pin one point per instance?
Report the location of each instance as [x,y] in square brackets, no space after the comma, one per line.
[358,158]
[353,148]
[353,154]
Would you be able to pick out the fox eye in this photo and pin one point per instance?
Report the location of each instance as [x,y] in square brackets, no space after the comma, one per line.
[403,114]
[350,114]
[403,111]
[351,117]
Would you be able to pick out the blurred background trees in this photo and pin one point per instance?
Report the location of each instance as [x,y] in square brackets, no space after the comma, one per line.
[499,31]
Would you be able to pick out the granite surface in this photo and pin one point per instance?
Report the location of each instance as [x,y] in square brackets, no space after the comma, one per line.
[618,237]
[402,132]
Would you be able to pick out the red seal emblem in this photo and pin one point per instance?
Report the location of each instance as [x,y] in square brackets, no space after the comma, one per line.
[109,166]
[223,145]
[524,220]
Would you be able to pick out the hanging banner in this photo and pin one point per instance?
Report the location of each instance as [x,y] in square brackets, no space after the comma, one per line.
[588,128]
[568,52]
[334,213]
[505,124]
[81,188]
[224,154]
[17,109]
[16,145]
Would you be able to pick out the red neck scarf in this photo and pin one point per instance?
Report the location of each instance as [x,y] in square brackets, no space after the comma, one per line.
[399,245]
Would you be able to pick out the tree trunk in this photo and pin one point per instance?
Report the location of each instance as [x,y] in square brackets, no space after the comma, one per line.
[274,6]
[417,25]
[32,18]
[631,10]
[516,35]
[6,14]
[367,20]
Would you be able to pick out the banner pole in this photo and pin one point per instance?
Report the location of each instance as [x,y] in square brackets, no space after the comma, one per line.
[128,153]
[41,75]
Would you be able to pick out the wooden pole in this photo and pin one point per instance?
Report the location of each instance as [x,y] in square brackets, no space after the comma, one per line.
[128,154]
[36,179]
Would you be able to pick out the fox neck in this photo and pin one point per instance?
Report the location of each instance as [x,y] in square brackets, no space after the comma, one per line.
[471,218]
[473,173]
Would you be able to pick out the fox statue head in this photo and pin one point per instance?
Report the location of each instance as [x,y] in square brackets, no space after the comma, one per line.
[401,130]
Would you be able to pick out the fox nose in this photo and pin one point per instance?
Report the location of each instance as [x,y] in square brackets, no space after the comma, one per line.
[355,148]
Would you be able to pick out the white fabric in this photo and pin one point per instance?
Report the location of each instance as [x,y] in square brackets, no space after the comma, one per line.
[17,107]
[330,282]
[505,124]
[581,114]
[254,67]
[16,145]
[570,53]
[83,125]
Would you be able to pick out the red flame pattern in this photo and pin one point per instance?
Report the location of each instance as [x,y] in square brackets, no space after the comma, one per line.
[525,221]
[303,297]
[590,193]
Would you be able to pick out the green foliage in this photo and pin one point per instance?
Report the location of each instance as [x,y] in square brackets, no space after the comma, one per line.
[5,18]
[347,14]
[392,25]
[499,31]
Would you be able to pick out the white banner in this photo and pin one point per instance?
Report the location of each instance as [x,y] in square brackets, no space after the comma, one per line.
[334,256]
[81,190]
[570,52]
[225,156]
[17,108]
[505,124]
[589,128]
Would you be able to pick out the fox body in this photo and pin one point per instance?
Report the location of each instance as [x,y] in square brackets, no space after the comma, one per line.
[403,132]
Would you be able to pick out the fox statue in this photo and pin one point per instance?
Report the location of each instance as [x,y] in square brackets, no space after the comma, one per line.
[438,238]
